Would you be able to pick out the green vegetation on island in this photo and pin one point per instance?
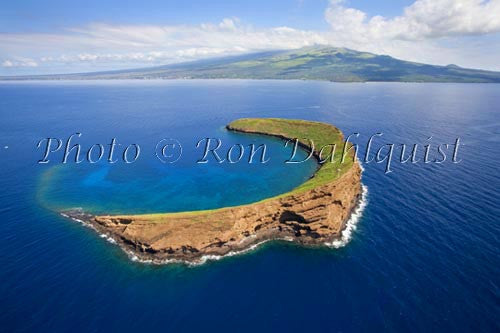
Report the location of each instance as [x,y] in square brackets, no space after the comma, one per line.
[314,213]
[308,133]
[320,134]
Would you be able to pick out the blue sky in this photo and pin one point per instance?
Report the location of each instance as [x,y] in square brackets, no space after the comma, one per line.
[53,15]
[74,36]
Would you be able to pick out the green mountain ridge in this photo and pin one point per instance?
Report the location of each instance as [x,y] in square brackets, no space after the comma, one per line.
[309,63]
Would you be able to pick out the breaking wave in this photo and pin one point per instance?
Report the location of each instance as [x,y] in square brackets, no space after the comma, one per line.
[344,239]
[352,223]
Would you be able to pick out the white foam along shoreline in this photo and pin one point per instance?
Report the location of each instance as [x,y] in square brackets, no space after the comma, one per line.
[345,238]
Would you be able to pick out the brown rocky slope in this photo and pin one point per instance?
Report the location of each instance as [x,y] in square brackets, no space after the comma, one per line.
[308,216]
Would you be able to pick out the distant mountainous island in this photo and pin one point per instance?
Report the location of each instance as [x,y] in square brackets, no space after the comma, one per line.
[309,63]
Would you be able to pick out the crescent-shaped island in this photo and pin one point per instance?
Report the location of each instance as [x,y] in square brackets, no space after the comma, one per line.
[314,213]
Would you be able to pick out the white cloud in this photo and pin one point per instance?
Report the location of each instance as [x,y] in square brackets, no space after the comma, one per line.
[424,19]
[431,31]
[102,44]
[229,23]
[143,57]
[7,63]
[20,62]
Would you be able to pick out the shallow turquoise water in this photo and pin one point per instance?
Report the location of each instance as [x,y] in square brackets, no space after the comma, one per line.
[424,256]
[150,186]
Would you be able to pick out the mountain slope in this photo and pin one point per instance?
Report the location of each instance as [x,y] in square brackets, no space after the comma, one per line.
[311,63]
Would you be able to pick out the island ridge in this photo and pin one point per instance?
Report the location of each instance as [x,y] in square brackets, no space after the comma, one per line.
[324,63]
[313,213]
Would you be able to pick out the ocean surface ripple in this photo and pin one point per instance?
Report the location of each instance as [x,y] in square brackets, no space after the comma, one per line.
[420,254]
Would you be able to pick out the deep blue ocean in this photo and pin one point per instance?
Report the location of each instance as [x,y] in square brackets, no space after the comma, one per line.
[424,256]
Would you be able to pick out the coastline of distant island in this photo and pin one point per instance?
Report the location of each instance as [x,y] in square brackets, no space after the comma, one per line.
[324,63]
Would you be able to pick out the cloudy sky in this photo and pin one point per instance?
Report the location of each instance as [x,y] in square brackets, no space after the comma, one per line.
[58,36]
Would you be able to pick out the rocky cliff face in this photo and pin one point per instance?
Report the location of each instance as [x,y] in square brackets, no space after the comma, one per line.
[312,217]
